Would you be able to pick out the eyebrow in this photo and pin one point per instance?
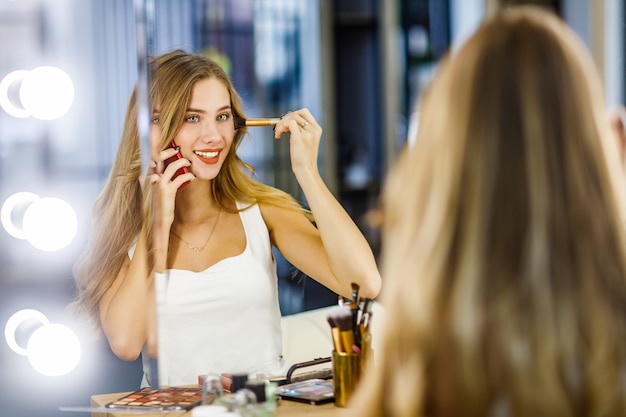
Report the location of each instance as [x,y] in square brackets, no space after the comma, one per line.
[191,109]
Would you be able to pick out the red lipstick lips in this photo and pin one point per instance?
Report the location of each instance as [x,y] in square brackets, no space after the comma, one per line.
[208,156]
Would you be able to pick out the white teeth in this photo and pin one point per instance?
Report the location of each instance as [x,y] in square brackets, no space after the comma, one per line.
[206,154]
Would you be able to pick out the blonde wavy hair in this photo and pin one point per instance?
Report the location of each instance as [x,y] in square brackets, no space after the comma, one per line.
[122,210]
[503,254]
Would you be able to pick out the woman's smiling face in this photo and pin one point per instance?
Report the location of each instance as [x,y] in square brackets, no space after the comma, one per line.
[207,132]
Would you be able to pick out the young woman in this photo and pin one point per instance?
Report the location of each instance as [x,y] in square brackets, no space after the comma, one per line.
[504,252]
[211,239]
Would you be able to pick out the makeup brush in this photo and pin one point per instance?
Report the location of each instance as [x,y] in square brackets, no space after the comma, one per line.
[342,316]
[268,121]
[355,292]
[366,316]
[271,121]
[335,334]
[364,328]
[354,307]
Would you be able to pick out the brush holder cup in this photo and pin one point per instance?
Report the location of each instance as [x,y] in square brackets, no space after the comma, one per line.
[347,371]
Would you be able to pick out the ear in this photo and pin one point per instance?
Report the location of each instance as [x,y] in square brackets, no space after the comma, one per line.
[617,118]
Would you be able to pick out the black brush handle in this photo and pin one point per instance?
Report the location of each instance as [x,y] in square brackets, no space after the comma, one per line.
[356,329]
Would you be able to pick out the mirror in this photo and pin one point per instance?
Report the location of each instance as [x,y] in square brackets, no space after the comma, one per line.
[67,68]
[275,60]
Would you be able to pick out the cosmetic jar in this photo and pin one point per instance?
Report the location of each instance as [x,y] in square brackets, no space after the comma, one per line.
[208,411]
[212,389]
[238,382]
[265,393]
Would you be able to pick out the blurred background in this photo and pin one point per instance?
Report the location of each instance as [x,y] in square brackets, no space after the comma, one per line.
[67,68]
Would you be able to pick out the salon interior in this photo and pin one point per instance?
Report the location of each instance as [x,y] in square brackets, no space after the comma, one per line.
[67,68]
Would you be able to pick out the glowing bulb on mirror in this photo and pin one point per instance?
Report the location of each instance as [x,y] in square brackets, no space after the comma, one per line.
[50,224]
[11,207]
[53,350]
[47,93]
[21,322]
[10,83]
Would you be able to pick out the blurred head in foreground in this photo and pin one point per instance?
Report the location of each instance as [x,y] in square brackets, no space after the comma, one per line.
[504,260]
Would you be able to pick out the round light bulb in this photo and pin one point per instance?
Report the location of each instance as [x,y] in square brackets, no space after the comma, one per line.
[54,350]
[50,224]
[15,201]
[47,93]
[19,318]
[9,80]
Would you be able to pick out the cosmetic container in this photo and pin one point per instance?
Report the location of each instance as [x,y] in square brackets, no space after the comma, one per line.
[209,411]
[265,393]
[347,370]
[212,390]
[238,381]
[245,403]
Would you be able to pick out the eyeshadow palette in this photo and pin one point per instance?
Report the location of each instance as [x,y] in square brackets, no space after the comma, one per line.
[313,391]
[173,398]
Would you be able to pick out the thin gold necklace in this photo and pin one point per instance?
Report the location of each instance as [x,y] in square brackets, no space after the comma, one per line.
[197,248]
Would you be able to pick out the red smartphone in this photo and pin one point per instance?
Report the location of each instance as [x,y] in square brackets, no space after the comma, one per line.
[179,171]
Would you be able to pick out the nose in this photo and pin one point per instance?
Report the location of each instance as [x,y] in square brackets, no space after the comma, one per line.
[208,130]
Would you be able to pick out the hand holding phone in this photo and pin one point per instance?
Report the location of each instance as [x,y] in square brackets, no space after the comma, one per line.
[179,171]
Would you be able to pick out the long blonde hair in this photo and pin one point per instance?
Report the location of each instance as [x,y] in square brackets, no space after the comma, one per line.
[122,211]
[504,256]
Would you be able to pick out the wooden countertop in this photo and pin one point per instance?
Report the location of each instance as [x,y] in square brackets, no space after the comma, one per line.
[285,408]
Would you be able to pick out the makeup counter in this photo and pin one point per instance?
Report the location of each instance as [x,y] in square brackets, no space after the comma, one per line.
[306,337]
[283,409]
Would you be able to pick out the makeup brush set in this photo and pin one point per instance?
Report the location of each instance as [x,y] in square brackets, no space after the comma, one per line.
[350,327]
[350,324]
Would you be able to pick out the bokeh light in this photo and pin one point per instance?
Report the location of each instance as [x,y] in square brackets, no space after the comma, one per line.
[50,224]
[26,318]
[47,93]
[53,350]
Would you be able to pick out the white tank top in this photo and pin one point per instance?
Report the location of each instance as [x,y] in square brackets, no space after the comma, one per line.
[223,319]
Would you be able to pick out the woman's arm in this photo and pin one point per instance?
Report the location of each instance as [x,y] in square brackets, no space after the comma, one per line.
[336,253]
[335,266]
[127,309]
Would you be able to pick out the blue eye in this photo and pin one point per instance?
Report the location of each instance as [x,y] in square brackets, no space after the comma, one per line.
[155,120]
[223,117]
[192,119]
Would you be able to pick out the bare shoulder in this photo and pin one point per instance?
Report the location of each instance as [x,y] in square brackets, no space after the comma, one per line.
[278,218]
[273,214]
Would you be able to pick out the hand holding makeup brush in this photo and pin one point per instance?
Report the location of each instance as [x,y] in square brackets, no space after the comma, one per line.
[304,139]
